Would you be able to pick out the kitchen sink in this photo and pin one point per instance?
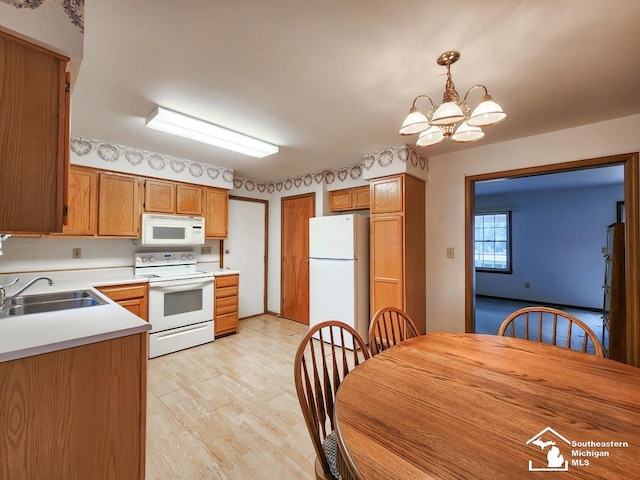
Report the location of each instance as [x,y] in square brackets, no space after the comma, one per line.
[52,297]
[53,302]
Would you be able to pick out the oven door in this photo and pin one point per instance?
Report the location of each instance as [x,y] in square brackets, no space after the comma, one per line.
[176,303]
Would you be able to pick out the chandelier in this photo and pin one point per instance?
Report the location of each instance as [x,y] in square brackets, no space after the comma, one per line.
[440,122]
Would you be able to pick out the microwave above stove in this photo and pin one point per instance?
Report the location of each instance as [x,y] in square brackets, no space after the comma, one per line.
[158,230]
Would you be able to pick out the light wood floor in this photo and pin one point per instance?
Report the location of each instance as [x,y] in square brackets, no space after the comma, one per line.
[228,409]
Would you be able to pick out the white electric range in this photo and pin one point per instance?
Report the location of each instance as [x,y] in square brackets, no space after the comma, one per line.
[180,301]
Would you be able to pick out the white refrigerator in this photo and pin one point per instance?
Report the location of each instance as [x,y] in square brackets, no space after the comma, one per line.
[339,272]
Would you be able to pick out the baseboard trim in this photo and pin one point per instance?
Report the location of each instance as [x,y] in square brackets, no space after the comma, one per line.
[535,302]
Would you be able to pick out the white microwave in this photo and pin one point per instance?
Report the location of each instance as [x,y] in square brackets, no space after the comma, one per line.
[160,230]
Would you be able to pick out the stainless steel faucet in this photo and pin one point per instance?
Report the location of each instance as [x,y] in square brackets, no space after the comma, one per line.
[3,297]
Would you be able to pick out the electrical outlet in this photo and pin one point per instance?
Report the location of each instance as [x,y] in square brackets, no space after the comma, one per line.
[527,285]
[205,250]
[450,252]
[76,253]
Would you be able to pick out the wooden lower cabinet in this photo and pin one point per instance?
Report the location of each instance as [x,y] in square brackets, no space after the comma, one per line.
[226,304]
[75,414]
[133,297]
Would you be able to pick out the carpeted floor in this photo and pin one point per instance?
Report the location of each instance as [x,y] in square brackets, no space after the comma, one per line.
[490,312]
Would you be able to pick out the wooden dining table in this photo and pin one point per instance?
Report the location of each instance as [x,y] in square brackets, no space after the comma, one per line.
[484,407]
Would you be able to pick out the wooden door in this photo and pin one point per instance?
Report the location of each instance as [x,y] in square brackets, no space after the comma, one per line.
[361,197]
[216,212]
[387,272]
[189,200]
[294,292]
[119,205]
[159,196]
[340,200]
[82,199]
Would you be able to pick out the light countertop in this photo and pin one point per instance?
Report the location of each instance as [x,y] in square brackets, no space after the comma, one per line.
[37,333]
[34,334]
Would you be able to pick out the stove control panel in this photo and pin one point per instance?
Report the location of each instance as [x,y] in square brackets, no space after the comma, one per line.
[164,258]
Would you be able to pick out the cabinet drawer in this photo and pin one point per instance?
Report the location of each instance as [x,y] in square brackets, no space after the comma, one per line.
[226,280]
[124,292]
[226,305]
[226,323]
[226,292]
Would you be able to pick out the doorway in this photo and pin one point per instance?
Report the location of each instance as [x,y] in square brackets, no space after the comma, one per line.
[294,265]
[632,240]
[245,250]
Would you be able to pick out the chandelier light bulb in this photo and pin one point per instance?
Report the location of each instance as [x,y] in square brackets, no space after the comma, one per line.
[487,113]
[467,133]
[415,122]
[431,136]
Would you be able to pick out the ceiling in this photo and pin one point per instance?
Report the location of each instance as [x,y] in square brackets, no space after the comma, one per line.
[331,81]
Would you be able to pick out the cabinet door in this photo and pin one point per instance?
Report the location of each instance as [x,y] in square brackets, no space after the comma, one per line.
[387,194]
[133,297]
[159,196]
[33,124]
[387,285]
[82,200]
[189,200]
[216,212]
[119,205]
[361,197]
[340,200]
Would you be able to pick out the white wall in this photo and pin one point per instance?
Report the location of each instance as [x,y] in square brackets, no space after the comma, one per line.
[445,201]
[38,254]
[557,241]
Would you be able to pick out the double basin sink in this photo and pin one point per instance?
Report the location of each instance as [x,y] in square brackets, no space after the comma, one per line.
[51,302]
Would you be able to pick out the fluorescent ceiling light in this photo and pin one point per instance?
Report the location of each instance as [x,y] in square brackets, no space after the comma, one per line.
[185,126]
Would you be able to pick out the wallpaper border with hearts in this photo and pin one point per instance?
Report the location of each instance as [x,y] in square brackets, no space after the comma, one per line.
[73,8]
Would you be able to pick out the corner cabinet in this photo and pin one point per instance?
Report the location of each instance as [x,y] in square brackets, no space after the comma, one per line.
[133,297]
[226,304]
[398,255]
[216,212]
[34,137]
[614,306]
[119,205]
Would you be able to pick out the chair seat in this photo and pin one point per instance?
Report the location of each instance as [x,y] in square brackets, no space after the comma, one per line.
[330,447]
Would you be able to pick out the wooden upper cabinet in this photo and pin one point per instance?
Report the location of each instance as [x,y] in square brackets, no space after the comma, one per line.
[387,194]
[189,199]
[216,212]
[159,196]
[170,197]
[82,202]
[361,197]
[119,205]
[340,200]
[34,121]
[345,199]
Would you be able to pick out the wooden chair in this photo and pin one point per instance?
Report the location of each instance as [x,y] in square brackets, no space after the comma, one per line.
[320,365]
[550,325]
[389,327]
